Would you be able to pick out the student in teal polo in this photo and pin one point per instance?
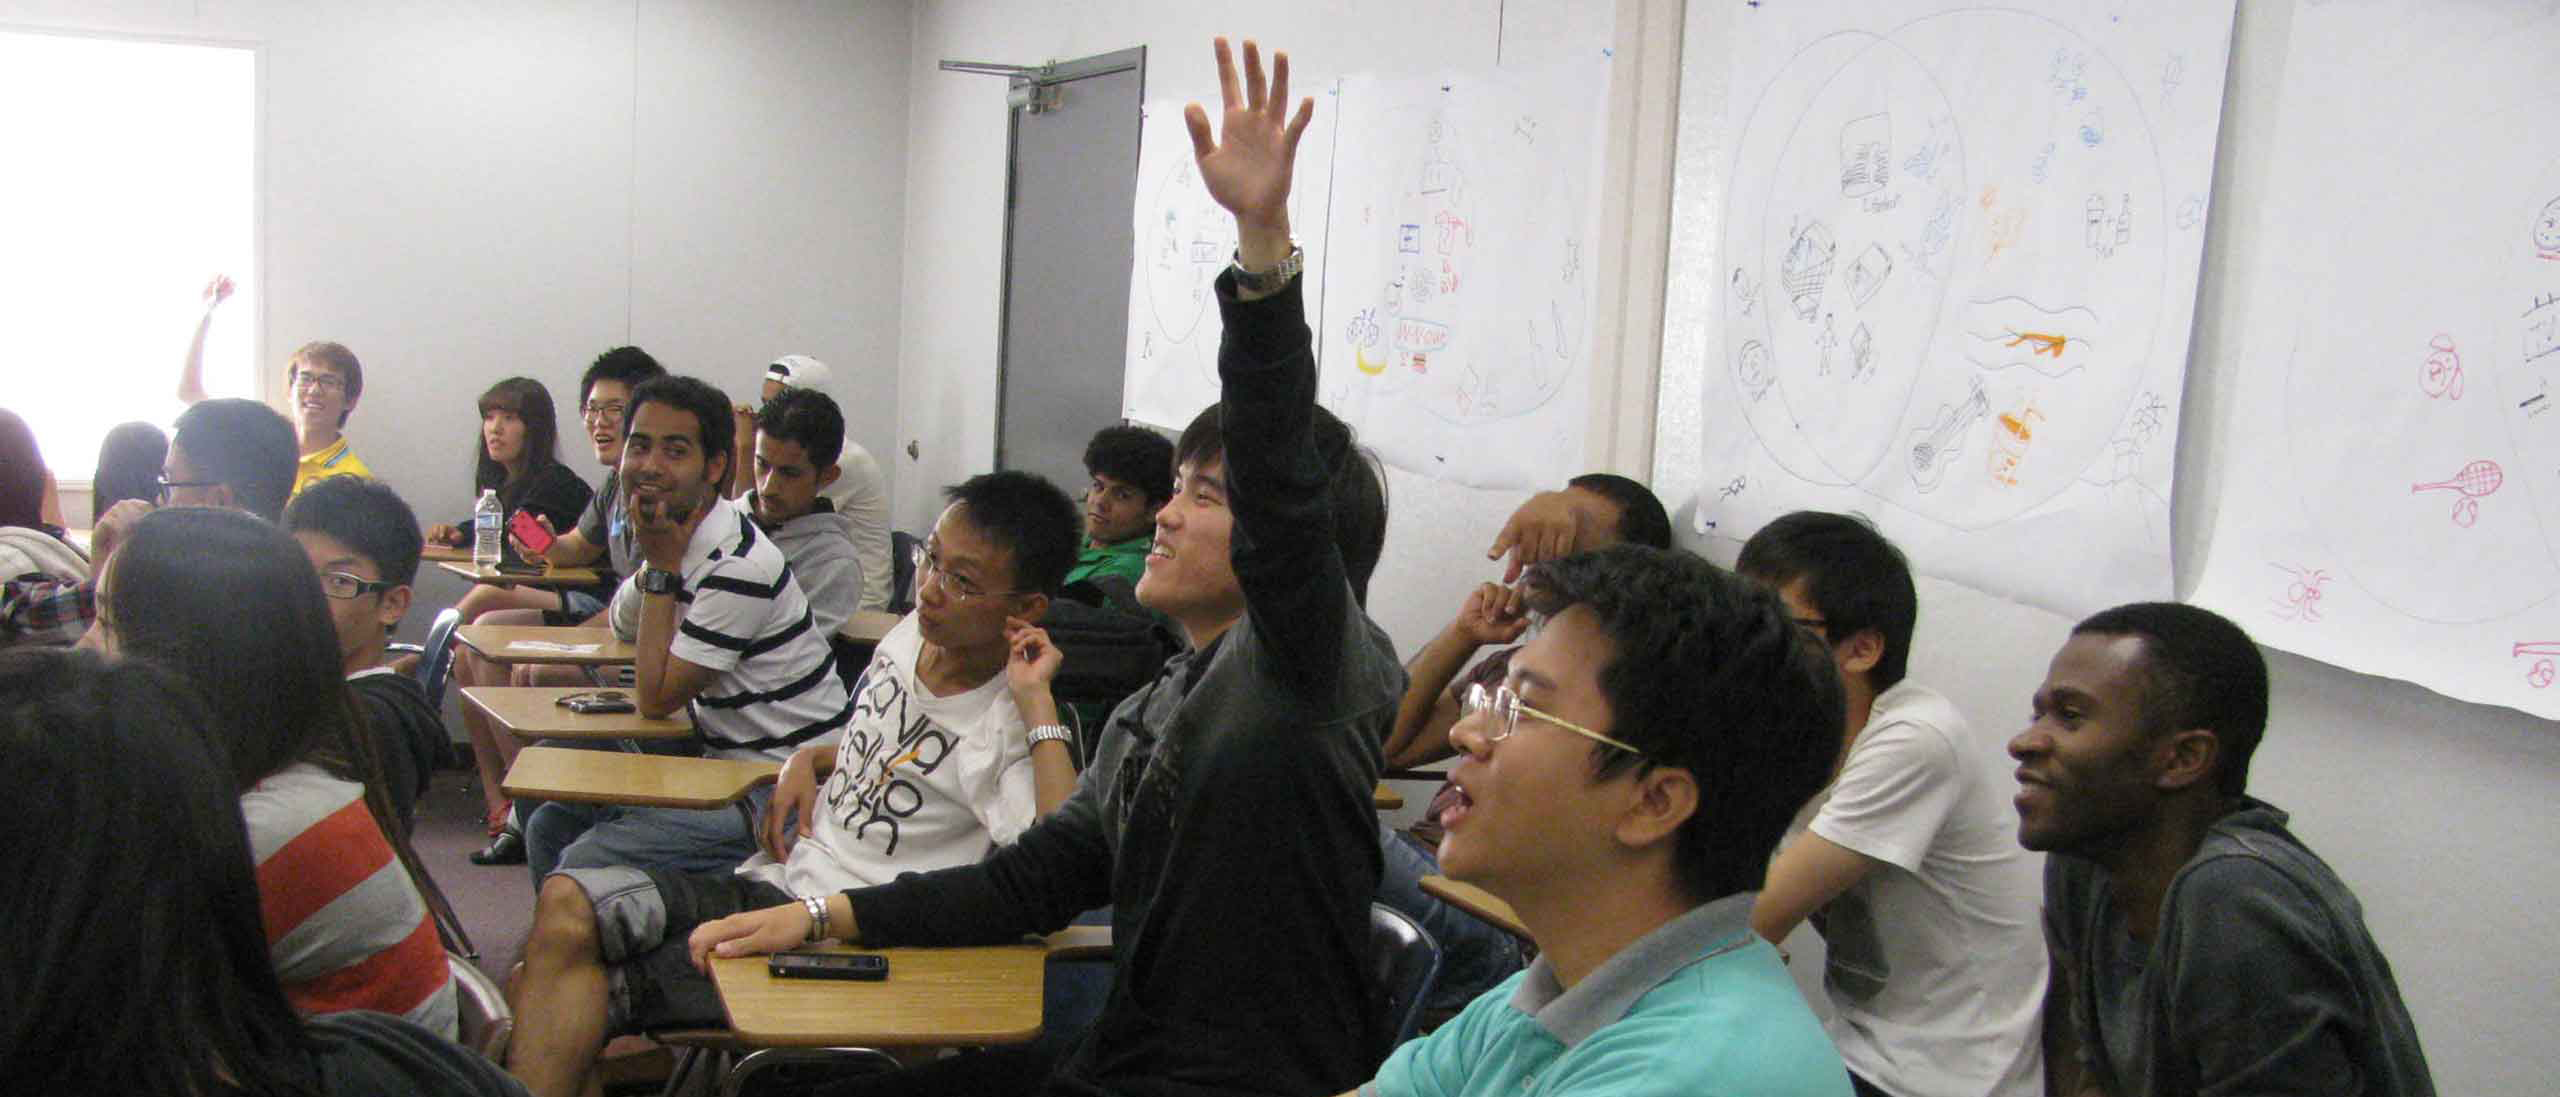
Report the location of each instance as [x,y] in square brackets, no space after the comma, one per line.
[1132,470]
[1622,789]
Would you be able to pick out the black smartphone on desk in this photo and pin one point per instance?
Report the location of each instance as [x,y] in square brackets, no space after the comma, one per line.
[866,967]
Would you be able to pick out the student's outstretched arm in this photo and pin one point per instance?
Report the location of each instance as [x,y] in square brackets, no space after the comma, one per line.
[191,375]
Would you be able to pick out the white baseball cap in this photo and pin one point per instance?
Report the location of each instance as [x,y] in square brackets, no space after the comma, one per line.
[799,371]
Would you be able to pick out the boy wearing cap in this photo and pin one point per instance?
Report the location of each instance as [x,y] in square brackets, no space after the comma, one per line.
[860,491]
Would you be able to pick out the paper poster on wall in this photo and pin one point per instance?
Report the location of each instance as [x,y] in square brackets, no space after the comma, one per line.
[1184,240]
[1458,306]
[2392,495]
[1956,279]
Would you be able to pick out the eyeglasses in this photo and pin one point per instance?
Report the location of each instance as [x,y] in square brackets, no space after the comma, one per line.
[929,570]
[1507,711]
[162,485]
[593,412]
[342,586]
[318,382]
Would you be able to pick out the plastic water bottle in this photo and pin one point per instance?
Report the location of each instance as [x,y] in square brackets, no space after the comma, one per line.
[485,530]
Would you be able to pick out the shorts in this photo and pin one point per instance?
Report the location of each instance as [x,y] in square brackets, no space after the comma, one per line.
[643,918]
[576,606]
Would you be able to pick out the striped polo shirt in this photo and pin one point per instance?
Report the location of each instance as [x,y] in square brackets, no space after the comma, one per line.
[744,617]
[345,926]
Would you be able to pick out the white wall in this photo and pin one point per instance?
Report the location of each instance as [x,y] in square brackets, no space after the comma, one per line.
[2440,814]
[462,192]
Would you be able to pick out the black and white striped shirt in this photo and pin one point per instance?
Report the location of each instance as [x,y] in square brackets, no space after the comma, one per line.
[745,617]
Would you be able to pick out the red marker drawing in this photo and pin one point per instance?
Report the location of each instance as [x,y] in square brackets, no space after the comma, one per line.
[2476,481]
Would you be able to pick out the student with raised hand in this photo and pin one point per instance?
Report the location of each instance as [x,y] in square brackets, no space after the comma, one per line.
[1132,477]
[232,606]
[860,491]
[1621,790]
[2198,946]
[363,542]
[600,538]
[323,381]
[176,994]
[725,633]
[954,748]
[1910,866]
[1225,817]
[226,453]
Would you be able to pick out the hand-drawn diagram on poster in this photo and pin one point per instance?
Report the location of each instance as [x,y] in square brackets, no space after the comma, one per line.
[1184,240]
[1956,280]
[2402,467]
[1457,314]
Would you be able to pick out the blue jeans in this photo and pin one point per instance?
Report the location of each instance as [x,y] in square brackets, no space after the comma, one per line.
[1473,955]
[562,836]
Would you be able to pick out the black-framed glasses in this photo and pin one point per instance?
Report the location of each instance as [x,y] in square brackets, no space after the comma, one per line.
[929,569]
[162,485]
[607,412]
[318,382]
[1507,711]
[342,586]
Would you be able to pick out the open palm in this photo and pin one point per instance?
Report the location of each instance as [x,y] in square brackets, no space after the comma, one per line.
[1247,167]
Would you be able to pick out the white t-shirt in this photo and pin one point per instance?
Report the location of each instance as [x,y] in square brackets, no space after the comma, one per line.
[1937,959]
[921,782]
[861,493]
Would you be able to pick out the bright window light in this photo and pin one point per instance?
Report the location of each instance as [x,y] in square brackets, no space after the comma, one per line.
[131,182]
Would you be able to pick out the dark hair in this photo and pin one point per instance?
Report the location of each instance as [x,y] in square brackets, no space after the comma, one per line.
[21,473]
[364,515]
[1029,518]
[1641,519]
[1356,490]
[526,399]
[2199,671]
[1708,674]
[245,446]
[134,822]
[1854,577]
[1136,456]
[231,604]
[336,357]
[710,408]
[129,463]
[628,366]
[807,417]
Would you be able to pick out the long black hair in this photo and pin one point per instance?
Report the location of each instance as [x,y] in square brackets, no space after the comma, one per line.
[135,825]
[231,604]
[526,399]
[21,473]
[129,464]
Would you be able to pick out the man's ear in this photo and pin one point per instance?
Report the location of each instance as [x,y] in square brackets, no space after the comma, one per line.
[1034,607]
[1860,653]
[395,605]
[828,475]
[1664,799]
[2186,758]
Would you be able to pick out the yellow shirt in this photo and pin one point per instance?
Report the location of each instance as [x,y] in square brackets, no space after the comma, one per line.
[335,460]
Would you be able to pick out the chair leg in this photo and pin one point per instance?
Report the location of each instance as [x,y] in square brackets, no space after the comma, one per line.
[734,1083]
[448,924]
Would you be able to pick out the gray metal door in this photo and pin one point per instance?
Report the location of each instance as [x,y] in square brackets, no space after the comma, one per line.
[1067,255]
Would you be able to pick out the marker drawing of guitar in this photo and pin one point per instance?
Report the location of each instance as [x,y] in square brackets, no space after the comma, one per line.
[1934,447]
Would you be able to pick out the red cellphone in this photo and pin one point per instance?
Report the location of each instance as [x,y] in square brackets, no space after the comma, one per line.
[531,532]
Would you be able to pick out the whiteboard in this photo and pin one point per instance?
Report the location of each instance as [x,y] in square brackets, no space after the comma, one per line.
[2401,496]
[1953,281]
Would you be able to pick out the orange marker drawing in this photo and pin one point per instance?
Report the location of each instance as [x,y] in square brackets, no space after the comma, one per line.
[2048,345]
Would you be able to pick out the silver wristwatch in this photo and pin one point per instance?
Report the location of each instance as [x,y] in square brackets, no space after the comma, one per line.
[1269,281]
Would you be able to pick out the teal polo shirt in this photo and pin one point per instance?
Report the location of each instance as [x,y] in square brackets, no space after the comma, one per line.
[1699,1006]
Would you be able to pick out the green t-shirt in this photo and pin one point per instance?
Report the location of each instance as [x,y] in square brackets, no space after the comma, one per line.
[1126,559]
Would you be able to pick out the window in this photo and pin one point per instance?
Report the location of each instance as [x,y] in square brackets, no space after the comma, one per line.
[131,181]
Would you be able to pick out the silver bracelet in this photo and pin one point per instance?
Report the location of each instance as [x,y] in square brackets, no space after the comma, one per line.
[817,906]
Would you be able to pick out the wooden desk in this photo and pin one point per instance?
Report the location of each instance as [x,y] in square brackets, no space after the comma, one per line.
[496,643]
[535,712]
[868,626]
[550,576]
[444,554]
[933,997]
[1079,943]
[1385,799]
[1478,902]
[641,780]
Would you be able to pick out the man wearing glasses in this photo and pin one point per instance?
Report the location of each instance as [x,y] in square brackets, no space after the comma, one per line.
[1621,790]
[225,453]
[363,539]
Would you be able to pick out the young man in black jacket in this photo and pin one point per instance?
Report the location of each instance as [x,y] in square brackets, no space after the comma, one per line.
[1238,948]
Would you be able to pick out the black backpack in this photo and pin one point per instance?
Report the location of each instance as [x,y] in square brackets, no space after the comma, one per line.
[1111,646]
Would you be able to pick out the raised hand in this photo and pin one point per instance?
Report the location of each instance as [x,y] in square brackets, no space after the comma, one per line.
[1547,527]
[217,291]
[1033,661]
[1491,616]
[1247,168]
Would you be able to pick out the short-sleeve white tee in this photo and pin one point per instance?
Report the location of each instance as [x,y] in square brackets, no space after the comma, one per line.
[921,782]
[1936,968]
